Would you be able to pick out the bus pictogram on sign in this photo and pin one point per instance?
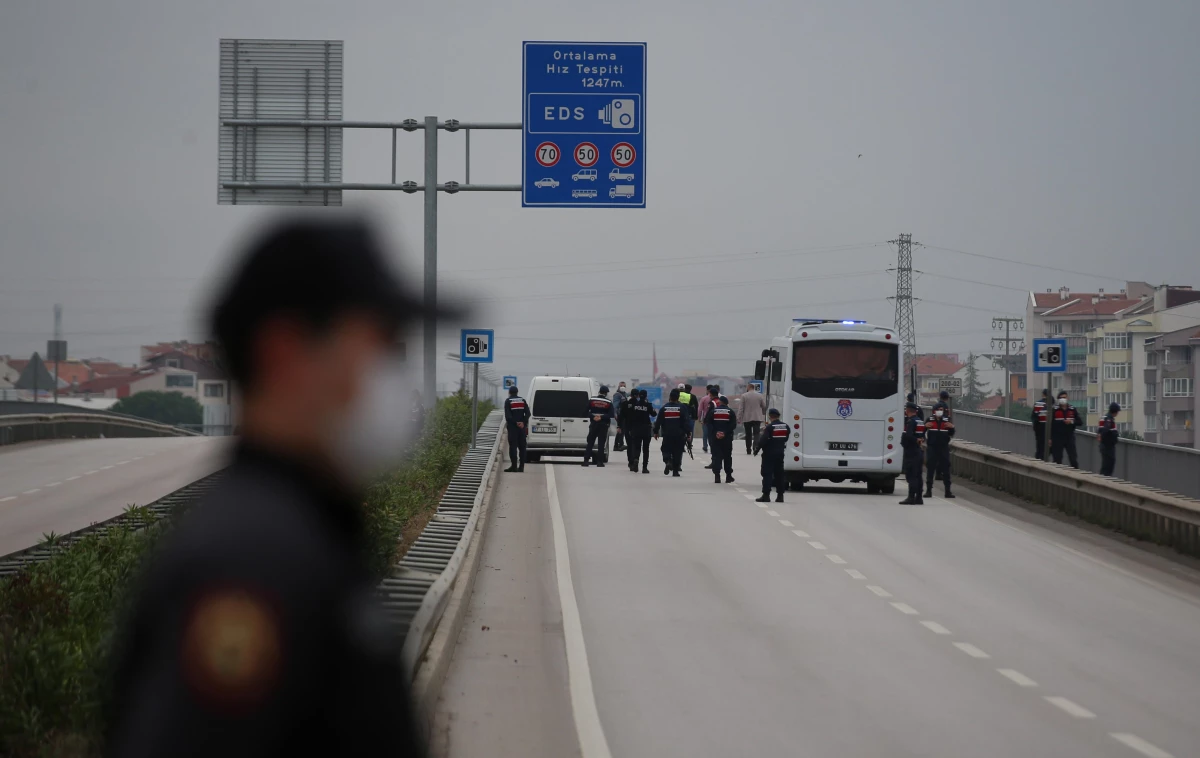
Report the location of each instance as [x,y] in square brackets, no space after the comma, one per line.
[586,154]
[623,155]
[548,154]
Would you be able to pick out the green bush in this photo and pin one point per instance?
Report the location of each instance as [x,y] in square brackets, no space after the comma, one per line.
[57,617]
[163,407]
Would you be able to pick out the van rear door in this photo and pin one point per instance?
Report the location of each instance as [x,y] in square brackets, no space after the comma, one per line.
[556,415]
[575,413]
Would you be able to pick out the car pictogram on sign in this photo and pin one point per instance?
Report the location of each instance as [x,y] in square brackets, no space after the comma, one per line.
[548,181]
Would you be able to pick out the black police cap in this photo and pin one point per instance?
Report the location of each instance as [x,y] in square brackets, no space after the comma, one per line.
[512,390]
[1114,407]
[912,406]
[315,271]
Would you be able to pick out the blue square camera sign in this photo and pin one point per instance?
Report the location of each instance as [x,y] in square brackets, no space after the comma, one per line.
[584,125]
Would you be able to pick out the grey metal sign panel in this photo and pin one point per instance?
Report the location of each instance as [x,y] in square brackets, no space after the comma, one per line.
[280,79]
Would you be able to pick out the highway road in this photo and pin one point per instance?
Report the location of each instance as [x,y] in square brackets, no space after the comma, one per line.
[694,621]
[65,485]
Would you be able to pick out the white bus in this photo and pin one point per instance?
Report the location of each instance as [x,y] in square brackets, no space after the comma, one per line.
[838,384]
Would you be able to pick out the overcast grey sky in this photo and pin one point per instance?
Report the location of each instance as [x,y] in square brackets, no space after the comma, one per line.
[1046,132]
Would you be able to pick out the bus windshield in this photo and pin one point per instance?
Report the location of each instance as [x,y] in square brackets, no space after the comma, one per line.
[845,368]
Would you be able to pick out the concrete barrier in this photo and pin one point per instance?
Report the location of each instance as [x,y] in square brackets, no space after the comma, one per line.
[1140,511]
[51,426]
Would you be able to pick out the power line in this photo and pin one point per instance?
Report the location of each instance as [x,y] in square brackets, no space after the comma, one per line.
[553,321]
[1091,274]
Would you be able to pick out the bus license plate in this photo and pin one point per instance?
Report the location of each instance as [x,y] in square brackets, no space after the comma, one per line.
[843,446]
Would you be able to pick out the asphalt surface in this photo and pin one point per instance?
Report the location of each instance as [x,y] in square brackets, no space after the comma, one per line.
[844,624]
[66,485]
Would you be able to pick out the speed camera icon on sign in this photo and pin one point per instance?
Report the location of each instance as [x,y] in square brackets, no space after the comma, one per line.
[476,346]
[621,113]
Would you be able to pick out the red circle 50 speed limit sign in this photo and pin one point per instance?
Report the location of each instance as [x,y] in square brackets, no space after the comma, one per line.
[547,154]
[586,154]
[623,154]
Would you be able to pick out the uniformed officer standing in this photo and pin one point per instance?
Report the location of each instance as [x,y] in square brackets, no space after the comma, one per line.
[1108,437]
[255,630]
[516,415]
[722,425]
[912,398]
[1041,410]
[638,412]
[912,440]
[938,431]
[600,415]
[618,399]
[1063,421]
[772,442]
[674,422]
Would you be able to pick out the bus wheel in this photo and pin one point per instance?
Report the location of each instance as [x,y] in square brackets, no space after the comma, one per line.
[535,457]
[796,485]
[872,487]
[888,487]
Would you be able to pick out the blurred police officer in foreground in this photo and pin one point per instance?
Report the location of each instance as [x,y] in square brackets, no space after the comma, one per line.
[1108,437]
[674,422]
[721,425]
[1041,411]
[772,442]
[516,416]
[912,440]
[255,631]
[600,415]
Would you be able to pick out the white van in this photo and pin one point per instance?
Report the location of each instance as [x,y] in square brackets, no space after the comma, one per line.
[559,424]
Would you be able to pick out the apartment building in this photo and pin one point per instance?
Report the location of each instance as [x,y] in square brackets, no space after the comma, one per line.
[1169,380]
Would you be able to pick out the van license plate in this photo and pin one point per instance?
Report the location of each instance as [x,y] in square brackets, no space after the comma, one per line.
[543,430]
[843,446]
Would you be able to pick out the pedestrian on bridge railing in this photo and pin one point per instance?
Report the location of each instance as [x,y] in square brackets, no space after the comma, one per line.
[256,630]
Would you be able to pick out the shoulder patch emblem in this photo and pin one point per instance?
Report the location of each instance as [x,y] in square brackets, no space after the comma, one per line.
[232,648]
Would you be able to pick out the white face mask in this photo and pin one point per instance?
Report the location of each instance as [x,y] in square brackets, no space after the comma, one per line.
[379,427]
[1062,401]
[938,414]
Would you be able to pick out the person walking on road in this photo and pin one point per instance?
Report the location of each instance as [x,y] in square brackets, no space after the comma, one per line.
[702,409]
[674,423]
[912,440]
[600,414]
[1063,422]
[619,397]
[1108,437]
[772,443]
[722,424]
[1041,410]
[254,629]
[639,413]
[754,405]
[938,431]
[516,416]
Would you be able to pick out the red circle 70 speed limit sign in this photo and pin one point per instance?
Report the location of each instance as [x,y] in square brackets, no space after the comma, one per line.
[547,154]
[623,154]
[586,154]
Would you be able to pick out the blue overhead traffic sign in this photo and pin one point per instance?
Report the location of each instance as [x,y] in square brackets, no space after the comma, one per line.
[510,381]
[584,107]
[477,346]
[1050,356]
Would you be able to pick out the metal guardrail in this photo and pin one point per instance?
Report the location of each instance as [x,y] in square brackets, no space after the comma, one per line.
[137,519]
[1134,509]
[1173,469]
[416,592]
[44,426]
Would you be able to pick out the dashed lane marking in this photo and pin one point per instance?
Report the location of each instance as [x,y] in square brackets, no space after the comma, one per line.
[1070,707]
[30,492]
[856,574]
[89,473]
[879,590]
[801,534]
[971,650]
[772,514]
[122,463]
[1016,676]
[1137,743]
[835,558]
[105,468]
[906,609]
[72,478]
[749,497]
[763,505]
[6,499]
[816,545]
[786,523]
[935,627]
[53,484]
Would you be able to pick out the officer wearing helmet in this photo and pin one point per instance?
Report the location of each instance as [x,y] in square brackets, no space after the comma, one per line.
[773,443]
[600,414]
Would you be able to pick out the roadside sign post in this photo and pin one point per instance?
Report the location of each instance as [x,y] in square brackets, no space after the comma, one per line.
[1050,358]
[584,124]
[476,346]
[509,381]
[950,384]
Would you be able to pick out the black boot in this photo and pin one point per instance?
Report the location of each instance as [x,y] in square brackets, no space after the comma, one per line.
[949,495]
[779,497]
[510,469]
[667,469]
[717,478]
[766,498]
[645,469]
[910,500]
[929,492]
[521,468]
[675,472]
[729,479]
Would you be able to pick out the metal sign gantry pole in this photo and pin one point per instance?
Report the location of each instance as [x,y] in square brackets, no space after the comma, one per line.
[429,187]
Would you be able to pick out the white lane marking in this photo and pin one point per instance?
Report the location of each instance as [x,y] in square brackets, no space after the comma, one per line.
[138,458]
[72,478]
[1016,676]
[1070,706]
[1140,745]
[122,463]
[879,590]
[89,473]
[53,484]
[816,545]
[935,627]
[971,650]
[906,609]
[6,499]
[105,468]
[801,533]
[763,505]
[835,559]
[30,492]
[786,523]
[749,497]
[739,489]
[856,574]
[592,743]
[772,514]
